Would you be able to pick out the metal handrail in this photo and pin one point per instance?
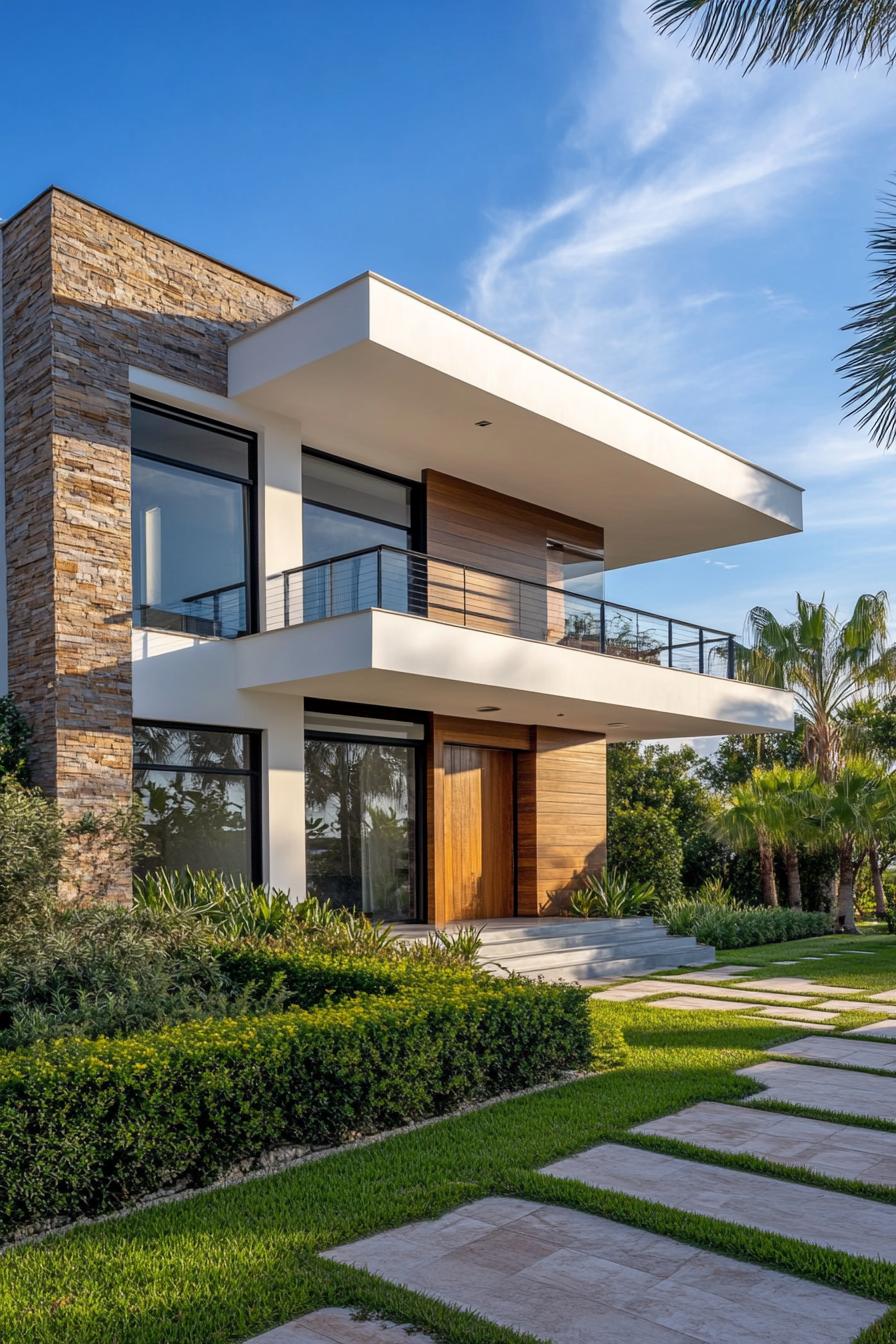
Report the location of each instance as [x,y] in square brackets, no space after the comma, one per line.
[704,647]
[491,574]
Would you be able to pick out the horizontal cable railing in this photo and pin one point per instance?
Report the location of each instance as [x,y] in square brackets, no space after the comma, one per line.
[421,585]
[220,613]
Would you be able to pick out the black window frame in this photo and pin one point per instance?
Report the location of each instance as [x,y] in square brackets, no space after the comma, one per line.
[249,483]
[252,772]
[349,709]
[415,529]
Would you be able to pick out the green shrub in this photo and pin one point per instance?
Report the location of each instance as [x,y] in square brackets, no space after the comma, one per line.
[306,976]
[644,844]
[740,925]
[106,971]
[85,1126]
[15,738]
[234,909]
[32,835]
[612,895]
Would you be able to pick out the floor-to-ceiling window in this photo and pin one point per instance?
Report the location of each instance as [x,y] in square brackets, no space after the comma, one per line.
[192,508]
[362,811]
[200,793]
[348,509]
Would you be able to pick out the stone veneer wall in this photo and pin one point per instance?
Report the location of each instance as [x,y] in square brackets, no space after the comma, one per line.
[85,294]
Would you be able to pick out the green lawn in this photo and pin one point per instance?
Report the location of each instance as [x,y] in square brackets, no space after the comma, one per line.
[867,974]
[229,1264]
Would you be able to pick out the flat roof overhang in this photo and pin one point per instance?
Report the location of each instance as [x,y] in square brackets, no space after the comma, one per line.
[378,374]
[410,662]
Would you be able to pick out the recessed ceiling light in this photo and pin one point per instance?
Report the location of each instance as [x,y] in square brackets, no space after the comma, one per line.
[561,716]
[618,724]
[482,424]
[488,709]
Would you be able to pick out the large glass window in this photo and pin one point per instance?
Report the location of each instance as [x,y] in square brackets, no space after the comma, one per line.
[345,509]
[199,788]
[192,502]
[361,813]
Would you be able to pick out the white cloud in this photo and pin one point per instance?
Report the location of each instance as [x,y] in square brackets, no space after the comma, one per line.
[663,151]
[720,564]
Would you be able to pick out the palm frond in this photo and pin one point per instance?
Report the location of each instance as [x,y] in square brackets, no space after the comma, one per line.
[869,364]
[840,32]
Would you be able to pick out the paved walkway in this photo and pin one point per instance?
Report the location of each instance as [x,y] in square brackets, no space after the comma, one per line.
[850,1151]
[336,1325]
[574,1278]
[822,1217]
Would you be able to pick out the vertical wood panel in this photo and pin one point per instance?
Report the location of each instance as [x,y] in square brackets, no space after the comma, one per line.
[562,802]
[469,525]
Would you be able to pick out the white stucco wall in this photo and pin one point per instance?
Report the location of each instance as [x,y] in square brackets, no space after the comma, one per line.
[191,680]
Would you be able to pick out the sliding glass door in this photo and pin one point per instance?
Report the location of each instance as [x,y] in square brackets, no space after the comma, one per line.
[361,813]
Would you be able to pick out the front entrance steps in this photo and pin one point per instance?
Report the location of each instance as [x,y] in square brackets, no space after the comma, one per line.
[580,951]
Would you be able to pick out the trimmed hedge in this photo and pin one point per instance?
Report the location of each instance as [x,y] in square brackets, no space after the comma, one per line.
[743,926]
[309,977]
[88,1125]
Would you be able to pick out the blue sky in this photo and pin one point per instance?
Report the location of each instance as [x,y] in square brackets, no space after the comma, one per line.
[686,236]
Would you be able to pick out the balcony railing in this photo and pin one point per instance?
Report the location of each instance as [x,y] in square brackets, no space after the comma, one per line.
[421,585]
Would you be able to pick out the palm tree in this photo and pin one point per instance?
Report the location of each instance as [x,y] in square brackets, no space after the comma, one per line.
[828,664]
[854,809]
[791,800]
[844,32]
[749,819]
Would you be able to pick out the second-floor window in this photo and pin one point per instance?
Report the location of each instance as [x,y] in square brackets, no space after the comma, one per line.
[347,509]
[192,511]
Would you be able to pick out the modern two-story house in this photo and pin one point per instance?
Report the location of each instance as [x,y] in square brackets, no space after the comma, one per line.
[324,581]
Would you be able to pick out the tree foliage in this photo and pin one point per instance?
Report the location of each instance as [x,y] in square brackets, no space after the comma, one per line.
[15,737]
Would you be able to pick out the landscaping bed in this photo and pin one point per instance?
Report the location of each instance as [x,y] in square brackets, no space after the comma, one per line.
[87,1125]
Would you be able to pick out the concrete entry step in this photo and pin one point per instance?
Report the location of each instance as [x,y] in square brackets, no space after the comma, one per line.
[592,971]
[820,1217]
[576,950]
[571,1277]
[850,1151]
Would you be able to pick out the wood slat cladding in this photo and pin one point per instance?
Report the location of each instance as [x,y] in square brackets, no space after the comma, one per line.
[445,731]
[469,525]
[561,813]
[561,817]
[478,793]
[506,537]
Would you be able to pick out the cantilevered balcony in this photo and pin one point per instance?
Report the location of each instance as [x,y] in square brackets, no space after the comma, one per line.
[389,579]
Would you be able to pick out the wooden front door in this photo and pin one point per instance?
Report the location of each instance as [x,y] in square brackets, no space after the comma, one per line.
[479,832]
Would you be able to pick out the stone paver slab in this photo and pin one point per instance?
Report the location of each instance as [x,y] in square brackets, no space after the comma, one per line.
[798,984]
[822,1217]
[849,1151]
[687,1003]
[825,1089]
[626,993]
[885,1030]
[740,991]
[575,1278]
[336,1325]
[885,996]
[849,1006]
[716,973]
[798,1014]
[854,1054]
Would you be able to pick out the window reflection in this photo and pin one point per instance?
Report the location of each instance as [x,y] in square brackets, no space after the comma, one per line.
[199,794]
[190,519]
[360,825]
